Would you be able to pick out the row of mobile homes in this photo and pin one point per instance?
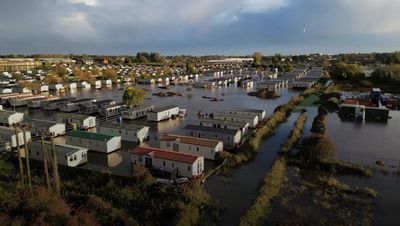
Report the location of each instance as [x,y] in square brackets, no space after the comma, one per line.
[77,120]
[94,106]
[9,133]
[67,155]
[251,119]
[52,105]
[230,137]
[176,163]
[56,87]
[162,113]
[38,102]
[244,111]
[9,118]
[93,141]
[23,101]
[112,110]
[191,145]
[225,124]
[75,105]
[46,127]
[7,99]
[137,112]
[128,132]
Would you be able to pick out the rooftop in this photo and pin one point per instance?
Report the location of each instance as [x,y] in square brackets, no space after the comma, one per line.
[122,126]
[245,110]
[211,129]
[72,115]
[190,140]
[223,122]
[163,108]
[164,154]
[89,135]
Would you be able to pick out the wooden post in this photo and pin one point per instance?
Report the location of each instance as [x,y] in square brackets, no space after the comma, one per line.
[45,162]
[56,178]
[21,170]
[28,167]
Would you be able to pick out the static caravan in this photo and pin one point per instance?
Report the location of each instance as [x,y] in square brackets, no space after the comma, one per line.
[80,121]
[18,89]
[23,101]
[230,137]
[111,110]
[175,163]
[9,118]
[225,124]
[37,103]
[244,111]
[162,113]
[191,145]
[83,84]
[9,132]
[94,106]
[137,112]
[52,105]
[56,87]
[72,85]
[67,155]
[5,145]
[106,82]
[75,105]
[128,132]
[93,141]
[251,119]
[6,99]
[41,126]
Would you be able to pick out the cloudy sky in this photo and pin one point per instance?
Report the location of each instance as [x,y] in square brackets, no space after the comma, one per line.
[198,27]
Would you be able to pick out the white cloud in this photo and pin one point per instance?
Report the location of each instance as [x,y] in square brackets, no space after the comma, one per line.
[75,27]
[260,6]
[86,2]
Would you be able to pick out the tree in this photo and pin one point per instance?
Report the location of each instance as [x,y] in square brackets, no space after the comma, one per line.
[257,56]
[317,148]
[156,57]
[134,96]
[110,73]
[29,85]
[344,71]
[51,78]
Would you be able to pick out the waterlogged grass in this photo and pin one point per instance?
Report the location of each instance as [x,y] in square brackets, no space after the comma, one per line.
[295,134]
[271,186]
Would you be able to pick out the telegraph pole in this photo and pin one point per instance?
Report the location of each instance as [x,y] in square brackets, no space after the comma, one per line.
[55,167]
[45,161]
[21,170]
[28,168]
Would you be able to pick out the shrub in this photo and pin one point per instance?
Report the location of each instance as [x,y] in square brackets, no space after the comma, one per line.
[317,148]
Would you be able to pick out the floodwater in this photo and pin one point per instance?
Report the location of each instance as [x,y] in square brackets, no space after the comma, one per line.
[238,190]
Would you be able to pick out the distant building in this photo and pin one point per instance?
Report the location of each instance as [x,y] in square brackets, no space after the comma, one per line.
[18,64]
[231,61]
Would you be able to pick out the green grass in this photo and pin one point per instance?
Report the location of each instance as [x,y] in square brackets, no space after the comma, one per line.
[309,101]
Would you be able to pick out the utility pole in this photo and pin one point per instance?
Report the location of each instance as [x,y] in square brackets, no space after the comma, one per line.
[45,161]
[28,167]
[55,167]
[21,170]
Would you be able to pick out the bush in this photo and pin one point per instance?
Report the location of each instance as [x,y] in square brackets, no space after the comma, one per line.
[317,148]
[366,83]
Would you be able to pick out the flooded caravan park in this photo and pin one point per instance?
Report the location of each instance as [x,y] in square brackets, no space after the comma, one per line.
[238,190]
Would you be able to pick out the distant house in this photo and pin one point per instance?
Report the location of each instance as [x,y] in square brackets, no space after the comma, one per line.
[67,155]
[230,137]
[162,113]
[9,118]
[128,132]
[81,121]
[176,163]
[88,61]
[191,145]
[93,141]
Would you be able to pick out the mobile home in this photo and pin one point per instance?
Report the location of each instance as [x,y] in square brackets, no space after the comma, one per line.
[162,113]
[81,121]
[93,141]
[9,132]
[191,145]
[49,128]
[175,163]
[128,132]
[137,112]
[9,118]
[230,137]
[67,155]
